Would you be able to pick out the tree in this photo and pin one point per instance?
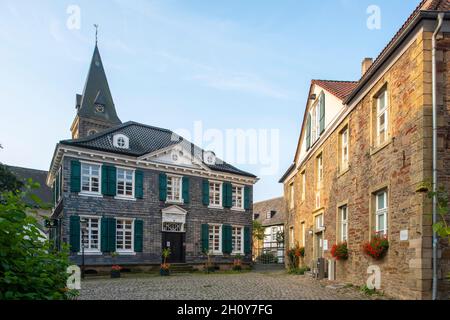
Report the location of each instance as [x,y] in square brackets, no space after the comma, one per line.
[8,181]
[258,230]
[29,266]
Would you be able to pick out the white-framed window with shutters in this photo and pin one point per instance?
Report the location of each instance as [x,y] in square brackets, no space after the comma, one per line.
[344,137]
[343,218]
[91,175]
[381,212]
[125,182]
[215,238]
[90,231]
[237,240]
[124,235]
[215,194]
[237,197]
[174,193]
[382,117]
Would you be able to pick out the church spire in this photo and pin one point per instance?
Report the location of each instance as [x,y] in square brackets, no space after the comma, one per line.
[95,107]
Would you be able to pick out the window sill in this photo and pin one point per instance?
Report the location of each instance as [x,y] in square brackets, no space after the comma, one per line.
[87,194]
[376,149]
[238,209]
[211,206]
[343,172]
[237,253]
[125,198]
[126,253]
[174,202]
[91,253]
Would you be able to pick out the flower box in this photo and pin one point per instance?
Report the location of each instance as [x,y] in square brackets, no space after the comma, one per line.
[377,247]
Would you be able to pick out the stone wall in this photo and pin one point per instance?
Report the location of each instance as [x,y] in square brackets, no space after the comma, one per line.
[148,209]
[400,166]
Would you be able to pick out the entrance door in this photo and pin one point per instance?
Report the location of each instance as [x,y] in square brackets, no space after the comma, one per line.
[319,245]
[174,241]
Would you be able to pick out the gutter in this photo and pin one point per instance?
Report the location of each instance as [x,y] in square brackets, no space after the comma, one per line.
[434,96]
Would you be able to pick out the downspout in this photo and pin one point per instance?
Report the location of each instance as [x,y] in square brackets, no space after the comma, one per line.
[434,96]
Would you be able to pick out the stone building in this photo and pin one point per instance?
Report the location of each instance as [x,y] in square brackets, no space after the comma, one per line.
[364,150]
[134,189]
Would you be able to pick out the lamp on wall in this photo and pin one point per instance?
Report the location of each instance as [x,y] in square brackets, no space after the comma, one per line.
[310,232]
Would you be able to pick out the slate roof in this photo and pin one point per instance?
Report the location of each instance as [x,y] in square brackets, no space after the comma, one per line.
[263,207]
[145,139]
[96,92]
[340,89]
[40,176]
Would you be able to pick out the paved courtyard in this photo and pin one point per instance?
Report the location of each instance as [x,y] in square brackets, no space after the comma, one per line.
[245,286]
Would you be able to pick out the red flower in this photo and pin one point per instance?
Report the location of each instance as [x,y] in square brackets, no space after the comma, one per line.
[377,246]
[116,268]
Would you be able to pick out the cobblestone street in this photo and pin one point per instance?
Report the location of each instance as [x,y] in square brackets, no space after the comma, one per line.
[245,286]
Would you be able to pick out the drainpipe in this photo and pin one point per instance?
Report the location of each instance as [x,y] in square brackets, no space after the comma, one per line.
[434,96]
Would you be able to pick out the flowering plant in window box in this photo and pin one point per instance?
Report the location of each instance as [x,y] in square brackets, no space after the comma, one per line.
[115,271]
[165,267]
[339,251]
[377,247]
[299,252]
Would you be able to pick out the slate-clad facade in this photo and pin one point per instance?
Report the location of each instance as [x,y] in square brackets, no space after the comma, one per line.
[125,192]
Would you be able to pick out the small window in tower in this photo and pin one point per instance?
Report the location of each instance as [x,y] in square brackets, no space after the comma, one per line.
[121,141]
[91,132]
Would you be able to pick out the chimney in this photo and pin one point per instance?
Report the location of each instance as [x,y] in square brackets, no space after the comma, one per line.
[367,62]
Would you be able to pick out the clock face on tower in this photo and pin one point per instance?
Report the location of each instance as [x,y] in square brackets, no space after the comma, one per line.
[99,108]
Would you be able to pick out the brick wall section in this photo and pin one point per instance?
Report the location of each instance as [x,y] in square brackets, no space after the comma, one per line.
[400,166]
[148,209]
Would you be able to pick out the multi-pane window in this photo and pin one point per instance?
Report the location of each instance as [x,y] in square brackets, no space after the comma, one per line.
[343,212]
[269,215]
[292,196]
[215,194]
[319,161]
[90,233]
[125,182]
[274,233]
[90,178]
[344,148]
[303,186]
[237,242]
[315,119]
[174,189]
[319,222]
[382,117]
[214,238]
[381,212]
[237,197]
[124,235]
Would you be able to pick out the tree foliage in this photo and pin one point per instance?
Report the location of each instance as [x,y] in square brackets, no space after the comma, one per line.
[258,230]
[8,181]
[30,268]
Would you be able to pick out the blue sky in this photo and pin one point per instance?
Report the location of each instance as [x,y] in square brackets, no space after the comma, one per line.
[229,64]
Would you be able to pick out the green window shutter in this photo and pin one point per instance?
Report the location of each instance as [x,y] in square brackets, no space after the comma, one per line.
[75,176]
[74,233]
[247,244]
[308,132]
[227,246]
[227,194]
[322,113]
[54,191]
[185,183]
[139,184]
[162,187]
[205,238]
[138,235]
[111,235]
[109,177]
[246,197]
[104,235]
[205,192]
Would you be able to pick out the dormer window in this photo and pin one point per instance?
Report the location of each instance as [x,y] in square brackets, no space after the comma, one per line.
[91,132]
[209,158]
[121,141]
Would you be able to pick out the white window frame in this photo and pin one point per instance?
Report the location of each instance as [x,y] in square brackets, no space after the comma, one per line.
[91,193]
[380,112]
[303,185]
[124,138]
[318,221]
[343,223]
[303,230]
[211,197]
[313,115]
[292,195]
[381,212]
[269,215]
[172,199]
[212,250]
[234,194]
[241,250]
[124,196]
[344,148]
[126,251]
[89,250]
[319,162]
[273,232]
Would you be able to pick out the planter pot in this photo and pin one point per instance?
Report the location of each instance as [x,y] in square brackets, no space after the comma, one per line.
[164,272]
[115,274]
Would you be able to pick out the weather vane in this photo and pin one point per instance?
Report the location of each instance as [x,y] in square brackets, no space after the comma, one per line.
[96,33]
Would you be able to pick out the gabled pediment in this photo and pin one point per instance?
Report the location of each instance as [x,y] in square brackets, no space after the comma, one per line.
[176,155]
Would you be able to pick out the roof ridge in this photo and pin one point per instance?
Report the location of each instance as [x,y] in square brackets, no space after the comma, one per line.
[267,200]
[346,81]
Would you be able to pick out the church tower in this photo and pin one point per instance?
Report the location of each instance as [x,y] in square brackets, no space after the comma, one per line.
[95,107]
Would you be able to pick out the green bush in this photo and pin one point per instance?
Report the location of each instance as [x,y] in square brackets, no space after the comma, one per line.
[30,268]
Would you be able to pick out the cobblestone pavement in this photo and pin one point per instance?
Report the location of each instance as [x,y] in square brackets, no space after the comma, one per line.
[245,286]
